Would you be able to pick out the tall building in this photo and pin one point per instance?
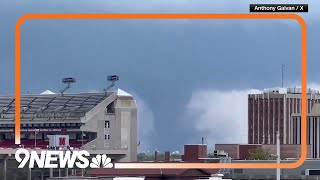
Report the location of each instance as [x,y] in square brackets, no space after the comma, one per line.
[313,130]
[270,111]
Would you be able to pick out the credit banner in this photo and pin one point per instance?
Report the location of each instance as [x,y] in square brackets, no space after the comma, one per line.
[278,8]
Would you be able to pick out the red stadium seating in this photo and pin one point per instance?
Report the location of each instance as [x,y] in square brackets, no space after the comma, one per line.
[29,143]
[8,143]
[75,143]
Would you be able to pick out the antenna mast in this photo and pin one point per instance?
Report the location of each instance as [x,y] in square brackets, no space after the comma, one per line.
[282,74]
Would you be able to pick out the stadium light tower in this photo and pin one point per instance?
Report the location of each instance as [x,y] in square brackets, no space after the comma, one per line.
[67,81]
[112,79]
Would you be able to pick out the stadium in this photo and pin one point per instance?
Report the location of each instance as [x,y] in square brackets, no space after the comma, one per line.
[100,123]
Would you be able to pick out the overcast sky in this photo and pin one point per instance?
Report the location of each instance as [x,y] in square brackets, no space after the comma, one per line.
[190,77]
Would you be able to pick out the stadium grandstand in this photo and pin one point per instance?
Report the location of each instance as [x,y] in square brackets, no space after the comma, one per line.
[100,123]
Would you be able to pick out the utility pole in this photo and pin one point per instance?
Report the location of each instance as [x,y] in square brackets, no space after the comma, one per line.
[278,155]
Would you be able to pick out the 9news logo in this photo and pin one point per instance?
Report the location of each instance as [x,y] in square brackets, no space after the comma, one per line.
[61,159]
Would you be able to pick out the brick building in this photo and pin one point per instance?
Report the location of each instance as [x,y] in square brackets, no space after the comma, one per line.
[313,130]
[271,110]
[194,153]
[241,151]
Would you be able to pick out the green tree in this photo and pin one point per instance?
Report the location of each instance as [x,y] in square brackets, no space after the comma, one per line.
[175,156]
[160,157]
[259,153]
[141,157]
[149,157]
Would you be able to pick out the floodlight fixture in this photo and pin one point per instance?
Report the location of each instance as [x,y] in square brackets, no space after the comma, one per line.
[112,79]
[67,81]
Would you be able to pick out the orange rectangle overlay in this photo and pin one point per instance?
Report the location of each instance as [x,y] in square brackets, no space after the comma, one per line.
[300,20]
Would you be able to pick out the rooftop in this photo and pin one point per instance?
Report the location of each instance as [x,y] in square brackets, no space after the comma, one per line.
[49,105]
[294,90]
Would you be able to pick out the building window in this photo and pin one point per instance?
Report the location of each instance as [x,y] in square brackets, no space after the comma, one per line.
[107,137]
[107,124]
[110,108]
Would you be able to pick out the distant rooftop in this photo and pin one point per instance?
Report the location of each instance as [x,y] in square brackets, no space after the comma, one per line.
[294,90]
[122,93]
[47,92]
[195,144]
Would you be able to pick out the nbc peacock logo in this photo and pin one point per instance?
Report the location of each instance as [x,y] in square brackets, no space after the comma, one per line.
[54,159]
[101,161]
